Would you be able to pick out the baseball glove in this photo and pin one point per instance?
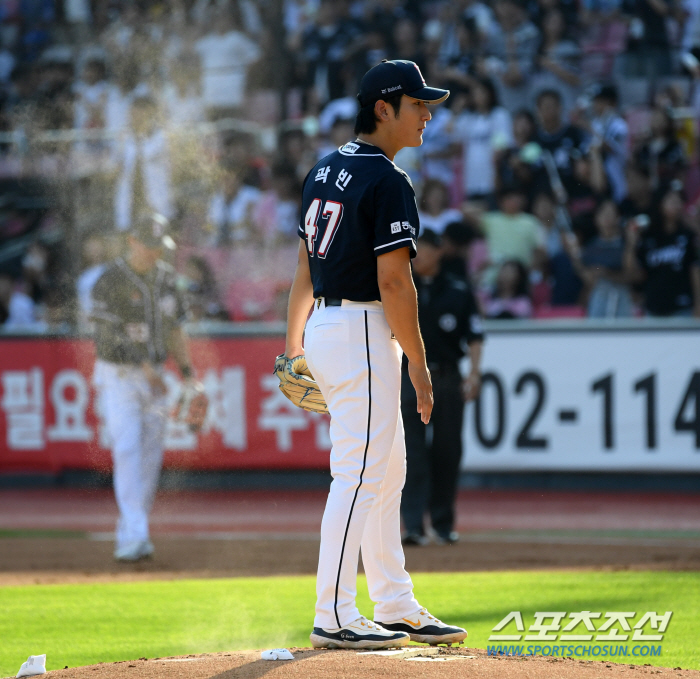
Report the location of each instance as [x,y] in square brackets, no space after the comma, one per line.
[298,384]
[192,405]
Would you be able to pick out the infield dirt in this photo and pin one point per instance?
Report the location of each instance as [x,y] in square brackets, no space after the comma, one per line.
[426,663]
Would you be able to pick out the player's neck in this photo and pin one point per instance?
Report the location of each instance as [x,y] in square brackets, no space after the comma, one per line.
[382,142]
[141,267]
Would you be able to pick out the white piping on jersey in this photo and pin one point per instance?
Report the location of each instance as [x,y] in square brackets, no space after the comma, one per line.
[367,155]
[400,240]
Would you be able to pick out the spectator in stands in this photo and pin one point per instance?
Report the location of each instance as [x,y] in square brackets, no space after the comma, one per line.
[94,264]
[17,310]
[232,208]
[648,53]
[456,66]
[562,140]
[55,100]
[610,132]
[518,164]
[600,266]
[512,233]
[588,188]
[510,297]
[434,155]
[464,251]
[512,53]
[226,53]
[664,256]
[325,47]
[434,208]
[341,132]
[558,61]
[662,155]
[182,97]
[125,88]
[35,272]
[277,213]
[202,296]
[559,285]
[480,132]
[91,93]
[293,148]
[640,196]
[143,162]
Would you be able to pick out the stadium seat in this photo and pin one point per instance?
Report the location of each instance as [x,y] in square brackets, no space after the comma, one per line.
[573,311]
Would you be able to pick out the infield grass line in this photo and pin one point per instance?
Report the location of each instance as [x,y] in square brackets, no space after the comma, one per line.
[84,624]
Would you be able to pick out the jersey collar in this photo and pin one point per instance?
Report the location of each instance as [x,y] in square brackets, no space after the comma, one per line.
[361,148]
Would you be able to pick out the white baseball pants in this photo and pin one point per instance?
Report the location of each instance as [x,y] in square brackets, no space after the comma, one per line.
[357,364]
[135,421]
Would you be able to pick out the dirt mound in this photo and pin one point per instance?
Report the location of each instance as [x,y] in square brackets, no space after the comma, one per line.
[50,560]
[425,662]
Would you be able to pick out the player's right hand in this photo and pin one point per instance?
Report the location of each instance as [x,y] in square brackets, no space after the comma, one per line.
[420,378]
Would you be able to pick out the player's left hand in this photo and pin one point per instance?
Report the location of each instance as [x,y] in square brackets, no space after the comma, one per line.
[471,386]
[192,405]
[420,378]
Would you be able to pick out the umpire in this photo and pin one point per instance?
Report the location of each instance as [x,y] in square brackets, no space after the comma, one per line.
[138,314]
[449,319]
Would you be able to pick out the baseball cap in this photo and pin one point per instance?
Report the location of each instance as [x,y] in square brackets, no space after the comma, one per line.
[397,77]
[152,229]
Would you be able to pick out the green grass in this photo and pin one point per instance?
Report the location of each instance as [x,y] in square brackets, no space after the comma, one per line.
[83,624]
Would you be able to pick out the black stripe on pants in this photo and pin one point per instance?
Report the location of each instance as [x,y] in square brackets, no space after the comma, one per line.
[364,464]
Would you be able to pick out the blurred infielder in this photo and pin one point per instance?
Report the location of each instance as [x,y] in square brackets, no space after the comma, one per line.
[359,227]
[138,313]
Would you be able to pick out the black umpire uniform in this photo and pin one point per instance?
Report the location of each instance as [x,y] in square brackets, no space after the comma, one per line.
[450,322]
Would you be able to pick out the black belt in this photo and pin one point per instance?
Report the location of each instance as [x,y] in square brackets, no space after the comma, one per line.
[331,301]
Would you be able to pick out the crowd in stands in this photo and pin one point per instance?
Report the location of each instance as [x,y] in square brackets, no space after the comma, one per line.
[562,170]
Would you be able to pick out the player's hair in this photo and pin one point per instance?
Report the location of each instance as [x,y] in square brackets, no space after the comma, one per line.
[366,121]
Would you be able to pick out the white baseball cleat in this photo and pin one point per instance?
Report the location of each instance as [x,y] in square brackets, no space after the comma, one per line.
[361,633]
[134,551]
[427,629]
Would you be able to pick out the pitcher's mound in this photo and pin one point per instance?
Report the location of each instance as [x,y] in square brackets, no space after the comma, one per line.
[412,662]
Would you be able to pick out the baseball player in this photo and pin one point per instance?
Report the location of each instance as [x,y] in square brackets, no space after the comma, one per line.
[358,231]
[137,312]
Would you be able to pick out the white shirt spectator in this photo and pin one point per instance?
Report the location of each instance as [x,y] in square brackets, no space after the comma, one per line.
[155,163]
[438,223]
[482,134]
[612,129]
[182,109]
[91,104]
[225,60]
[436,139]
[21,311]
[229,218]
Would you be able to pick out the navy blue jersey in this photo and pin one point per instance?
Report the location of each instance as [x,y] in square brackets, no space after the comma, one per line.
[356,206]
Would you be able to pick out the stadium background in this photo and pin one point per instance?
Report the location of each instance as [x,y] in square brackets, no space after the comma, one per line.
[582,451]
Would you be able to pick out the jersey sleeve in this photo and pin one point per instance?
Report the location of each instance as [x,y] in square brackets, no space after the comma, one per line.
[395,214]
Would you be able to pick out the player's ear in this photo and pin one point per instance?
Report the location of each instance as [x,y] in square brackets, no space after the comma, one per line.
[381,110]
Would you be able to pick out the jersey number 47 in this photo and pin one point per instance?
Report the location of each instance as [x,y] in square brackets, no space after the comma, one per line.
[332,213]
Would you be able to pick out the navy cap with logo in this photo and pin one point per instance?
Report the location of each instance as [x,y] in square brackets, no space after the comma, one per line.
[151,229]
[397,77]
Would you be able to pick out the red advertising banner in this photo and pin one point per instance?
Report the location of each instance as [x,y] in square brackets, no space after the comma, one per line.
[50,420]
